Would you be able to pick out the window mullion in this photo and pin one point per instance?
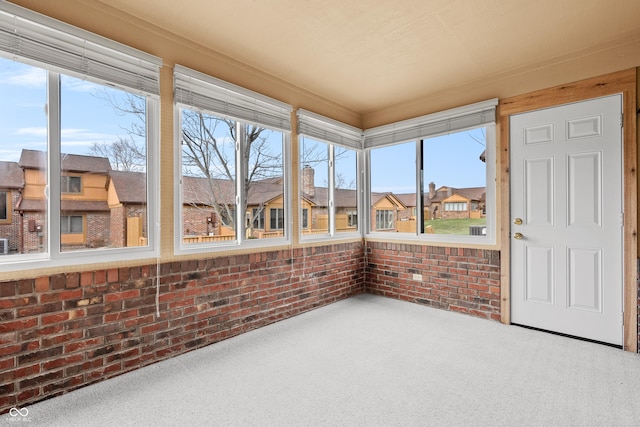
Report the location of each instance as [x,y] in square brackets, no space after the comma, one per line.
[52,227]
[241,179]
[419,187]
[332,185]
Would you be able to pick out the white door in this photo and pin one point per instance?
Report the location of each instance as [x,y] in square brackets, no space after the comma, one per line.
[566,219]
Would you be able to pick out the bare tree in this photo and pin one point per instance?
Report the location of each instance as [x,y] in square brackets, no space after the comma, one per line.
[208,151]
[123,154]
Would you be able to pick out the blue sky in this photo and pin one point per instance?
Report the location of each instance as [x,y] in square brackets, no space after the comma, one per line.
[449,160]
[86,117]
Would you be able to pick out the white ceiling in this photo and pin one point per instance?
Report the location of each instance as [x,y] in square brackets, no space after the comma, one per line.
[370,54]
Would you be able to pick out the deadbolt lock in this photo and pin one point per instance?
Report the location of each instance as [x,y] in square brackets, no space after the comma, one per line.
[517,221]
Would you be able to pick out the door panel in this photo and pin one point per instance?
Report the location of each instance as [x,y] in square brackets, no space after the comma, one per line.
[566,207]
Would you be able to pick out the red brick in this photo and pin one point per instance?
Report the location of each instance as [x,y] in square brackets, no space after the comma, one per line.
[73,280]
[18,325]
[117,296]
[86,279]
[112,275]
[42,284]
[54,318]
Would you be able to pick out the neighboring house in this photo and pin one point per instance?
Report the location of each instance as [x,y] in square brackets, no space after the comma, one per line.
[11,186]
[445,203]
[386,209]
[315,213]
[99,207]
[265,207]
[449,202]
[127,199]
[84,201]
[102,207]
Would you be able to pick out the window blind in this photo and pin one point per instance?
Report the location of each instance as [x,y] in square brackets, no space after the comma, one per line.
[444,122]
[43,40]
[328,130]
[199,90]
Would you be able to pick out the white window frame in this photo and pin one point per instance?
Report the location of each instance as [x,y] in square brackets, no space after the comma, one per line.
[334,134]
[200,92]
[481,114]
[60,48]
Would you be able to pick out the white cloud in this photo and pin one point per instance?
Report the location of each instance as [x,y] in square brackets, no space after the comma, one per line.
[33,131]
[84,134]
[30,77]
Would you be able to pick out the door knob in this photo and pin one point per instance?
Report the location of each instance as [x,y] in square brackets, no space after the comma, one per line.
[518,236]
[517,221]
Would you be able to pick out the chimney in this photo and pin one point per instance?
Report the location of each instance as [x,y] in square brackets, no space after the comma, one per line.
[432,190]
[308,181]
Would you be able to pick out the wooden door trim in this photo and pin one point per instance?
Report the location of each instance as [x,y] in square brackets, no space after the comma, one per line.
[623,82]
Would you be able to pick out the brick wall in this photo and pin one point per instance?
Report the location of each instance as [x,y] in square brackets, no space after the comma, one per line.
[61,332]
[463,280]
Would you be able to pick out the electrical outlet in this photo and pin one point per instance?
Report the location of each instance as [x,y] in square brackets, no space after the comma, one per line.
[417,277]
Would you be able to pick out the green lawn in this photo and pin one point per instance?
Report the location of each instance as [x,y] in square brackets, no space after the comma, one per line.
[453,226]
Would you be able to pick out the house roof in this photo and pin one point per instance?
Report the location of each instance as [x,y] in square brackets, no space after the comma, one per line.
[196,190]
[343,198]
[129,186]
[407,199]
[11,175]
[471,193]
[377,197]
[34,159]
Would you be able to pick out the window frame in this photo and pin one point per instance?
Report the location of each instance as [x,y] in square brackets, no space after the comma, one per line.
[481,114]
[8,199]
[66,184]
[336,135]
[386,216]
[70,221]
[200,92]
[130,70]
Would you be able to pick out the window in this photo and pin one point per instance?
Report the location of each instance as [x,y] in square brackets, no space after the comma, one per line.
[71,224]
[5,205]
[276,216]
[95,138]
[384,220]
[232,145]
[441,181]
[328,176]
[70,184]
[352,217]
[455,206]
[393,187]
[258,218]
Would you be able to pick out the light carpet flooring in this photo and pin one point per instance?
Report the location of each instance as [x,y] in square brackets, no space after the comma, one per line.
[367,361]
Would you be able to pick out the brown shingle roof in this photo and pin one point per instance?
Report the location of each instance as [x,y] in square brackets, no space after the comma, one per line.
[11,175]
[34,159]
[129,186]
[344,198]
[471,193]
[407,199]
[197,191]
